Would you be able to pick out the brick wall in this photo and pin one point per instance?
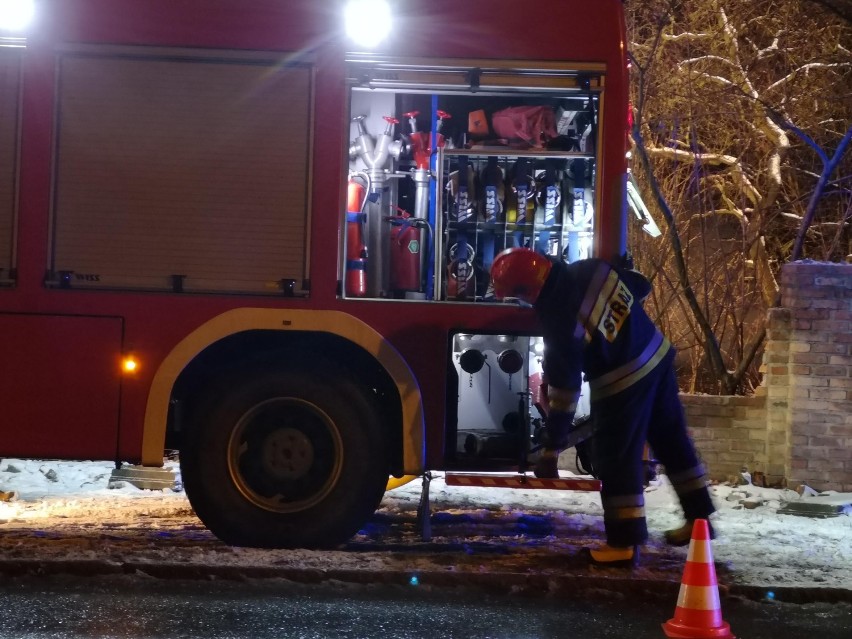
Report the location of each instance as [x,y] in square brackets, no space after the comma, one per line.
[729,432]
[798,427]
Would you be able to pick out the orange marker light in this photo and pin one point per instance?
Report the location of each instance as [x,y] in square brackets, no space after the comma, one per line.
[129,364]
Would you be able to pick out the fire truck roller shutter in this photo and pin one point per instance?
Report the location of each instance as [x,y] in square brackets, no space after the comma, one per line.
[182,170]
[305,459]
[10,74]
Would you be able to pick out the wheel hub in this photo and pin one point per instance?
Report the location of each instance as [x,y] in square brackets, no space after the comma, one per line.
[287,454]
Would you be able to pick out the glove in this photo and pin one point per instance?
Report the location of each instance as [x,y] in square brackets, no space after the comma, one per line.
[586,458]
[557,427]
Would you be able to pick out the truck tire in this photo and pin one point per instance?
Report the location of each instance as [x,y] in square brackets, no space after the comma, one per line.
[286,460]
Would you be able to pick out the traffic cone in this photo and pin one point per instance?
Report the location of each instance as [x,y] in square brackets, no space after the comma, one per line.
[698,615]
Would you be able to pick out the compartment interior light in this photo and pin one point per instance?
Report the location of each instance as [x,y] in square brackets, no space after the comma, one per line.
[368,22]
[16,15]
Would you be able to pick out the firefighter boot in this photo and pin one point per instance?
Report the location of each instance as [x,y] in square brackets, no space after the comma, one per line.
[547,465]
[683,535]
[606,555]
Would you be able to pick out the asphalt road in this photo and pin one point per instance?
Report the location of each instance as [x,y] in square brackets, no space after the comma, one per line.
[141,607]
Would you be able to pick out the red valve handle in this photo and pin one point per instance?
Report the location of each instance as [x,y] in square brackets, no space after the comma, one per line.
[390,119]
[411,114]
[443,115]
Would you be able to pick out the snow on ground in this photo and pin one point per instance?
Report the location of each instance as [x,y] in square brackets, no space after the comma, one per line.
[65,511]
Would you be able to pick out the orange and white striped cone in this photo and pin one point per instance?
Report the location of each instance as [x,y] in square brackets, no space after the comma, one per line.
[698,614]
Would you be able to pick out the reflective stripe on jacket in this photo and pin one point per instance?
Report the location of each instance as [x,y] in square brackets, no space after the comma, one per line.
[594,322]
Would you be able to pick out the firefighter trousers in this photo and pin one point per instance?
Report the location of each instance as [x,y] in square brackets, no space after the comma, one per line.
[651,411]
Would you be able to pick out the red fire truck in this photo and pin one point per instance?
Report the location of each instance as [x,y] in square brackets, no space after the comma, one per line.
[246,232]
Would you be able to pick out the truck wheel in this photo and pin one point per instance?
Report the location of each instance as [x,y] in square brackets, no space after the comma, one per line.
[286,460]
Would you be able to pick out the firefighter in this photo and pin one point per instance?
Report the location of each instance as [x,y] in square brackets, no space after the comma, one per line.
[593,322]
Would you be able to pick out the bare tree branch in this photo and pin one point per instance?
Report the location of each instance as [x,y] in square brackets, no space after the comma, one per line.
[828,169]
[711,345]
[841,8]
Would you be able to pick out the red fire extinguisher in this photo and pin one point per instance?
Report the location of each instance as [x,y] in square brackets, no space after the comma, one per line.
[405,251]
[356,250]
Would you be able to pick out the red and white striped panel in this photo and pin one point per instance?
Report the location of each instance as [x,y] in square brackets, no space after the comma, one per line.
[492,480]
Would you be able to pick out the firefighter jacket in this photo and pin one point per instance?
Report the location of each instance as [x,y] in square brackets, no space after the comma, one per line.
[593,321]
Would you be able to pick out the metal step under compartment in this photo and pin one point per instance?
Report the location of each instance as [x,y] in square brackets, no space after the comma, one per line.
[519,480]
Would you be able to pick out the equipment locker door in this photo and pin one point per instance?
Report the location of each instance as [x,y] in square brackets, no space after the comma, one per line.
[180,170]
[10,81]
[59,386]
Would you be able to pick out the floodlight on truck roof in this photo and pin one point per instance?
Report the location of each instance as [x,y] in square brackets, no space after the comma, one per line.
[16,15]
[368,22]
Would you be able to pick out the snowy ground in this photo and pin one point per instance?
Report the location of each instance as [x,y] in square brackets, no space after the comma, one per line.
[64,511]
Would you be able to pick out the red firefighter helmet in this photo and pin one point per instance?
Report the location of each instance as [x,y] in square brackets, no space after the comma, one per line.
[519,272]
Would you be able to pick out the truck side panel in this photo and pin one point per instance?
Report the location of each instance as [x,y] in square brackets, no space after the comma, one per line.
[60,386]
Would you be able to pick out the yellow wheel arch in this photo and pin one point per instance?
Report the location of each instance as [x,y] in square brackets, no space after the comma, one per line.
[396,482]
[245,319]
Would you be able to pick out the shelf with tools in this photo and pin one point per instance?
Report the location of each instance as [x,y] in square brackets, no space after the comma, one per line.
[536,141]
[508,153]
[538,198]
